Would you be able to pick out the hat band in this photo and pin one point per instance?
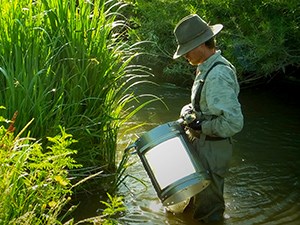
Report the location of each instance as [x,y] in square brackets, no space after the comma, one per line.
[187,41]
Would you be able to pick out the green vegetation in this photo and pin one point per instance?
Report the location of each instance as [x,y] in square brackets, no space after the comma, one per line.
[68,63]
[65,66]
[260,37]
[114,206]
[70,67]
[35,183]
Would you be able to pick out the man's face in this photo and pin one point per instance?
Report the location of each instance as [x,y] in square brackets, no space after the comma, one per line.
[196,56]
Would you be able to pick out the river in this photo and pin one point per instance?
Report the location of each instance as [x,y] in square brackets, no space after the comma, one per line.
[263,183]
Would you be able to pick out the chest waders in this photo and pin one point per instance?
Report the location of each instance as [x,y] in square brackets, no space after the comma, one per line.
[209,205]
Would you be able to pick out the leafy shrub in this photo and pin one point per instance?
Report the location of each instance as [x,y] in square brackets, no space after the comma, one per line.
[260,37]
[34,182]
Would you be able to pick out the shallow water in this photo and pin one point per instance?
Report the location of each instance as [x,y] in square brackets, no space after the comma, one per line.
[263,184]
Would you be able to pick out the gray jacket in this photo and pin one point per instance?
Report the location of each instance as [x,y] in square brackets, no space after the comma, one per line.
[219,102]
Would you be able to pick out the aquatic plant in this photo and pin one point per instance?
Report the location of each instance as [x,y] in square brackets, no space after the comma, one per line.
[113,207]
[69,63]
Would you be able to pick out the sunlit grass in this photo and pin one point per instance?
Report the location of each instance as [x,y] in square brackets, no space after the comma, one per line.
[68,63]
[34,182]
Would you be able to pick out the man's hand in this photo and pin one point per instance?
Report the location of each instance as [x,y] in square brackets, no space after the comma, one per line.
[195,125]
[187,109]
[190,117]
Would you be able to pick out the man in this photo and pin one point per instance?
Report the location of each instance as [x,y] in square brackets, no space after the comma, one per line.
[214,101]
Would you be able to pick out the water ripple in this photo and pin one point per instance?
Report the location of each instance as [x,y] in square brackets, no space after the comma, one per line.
[263,184]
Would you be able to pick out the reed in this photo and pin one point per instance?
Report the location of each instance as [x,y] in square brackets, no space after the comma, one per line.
[68,63]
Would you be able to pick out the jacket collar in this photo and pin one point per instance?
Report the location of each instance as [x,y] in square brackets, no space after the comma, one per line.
[205,66]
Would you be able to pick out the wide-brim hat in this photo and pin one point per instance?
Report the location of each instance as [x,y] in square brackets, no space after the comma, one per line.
[191,32]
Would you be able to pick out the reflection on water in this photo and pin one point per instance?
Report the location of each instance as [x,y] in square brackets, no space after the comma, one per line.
[263,185]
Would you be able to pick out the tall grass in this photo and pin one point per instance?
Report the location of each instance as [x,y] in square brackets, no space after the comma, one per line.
[68,63]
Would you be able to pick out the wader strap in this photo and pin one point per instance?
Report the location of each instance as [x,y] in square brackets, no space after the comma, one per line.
[198,92]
